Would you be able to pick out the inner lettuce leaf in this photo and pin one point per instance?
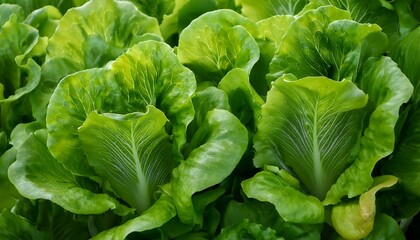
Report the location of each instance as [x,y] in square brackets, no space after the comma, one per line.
[219,143]
[87,37]
[147,74]
[217,42]
[375,12]
[325,41]
[267,8]
[131,152]
[311,127]
[37,175]
[104,30]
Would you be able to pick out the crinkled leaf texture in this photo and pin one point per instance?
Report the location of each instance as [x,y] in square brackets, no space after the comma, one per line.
[217,42]
[131,152]
[326,42]
[147,74]
[37,175]
[217,147]
[20,74]
[311,126]
[94,34]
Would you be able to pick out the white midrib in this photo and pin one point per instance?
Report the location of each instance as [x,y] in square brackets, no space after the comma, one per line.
[142,193]
[316,156]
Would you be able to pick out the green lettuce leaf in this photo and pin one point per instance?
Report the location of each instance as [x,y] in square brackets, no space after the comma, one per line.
[311,127]
[7,10]
[326,42]
[247,230]
[405,54]
[30,6]
[204,101]
[217,42]
[375,11]
[405,161]
[218,144]
[131,152]
[20,75]
[158,214]
[244,101]
[268,8]
[377,78]
[385,227]
[355,219]
[13,226]
[37,175]
[155,8]
[90,36]
[148,74]
[292,205]
[271,31]
[104,30]
[45,20]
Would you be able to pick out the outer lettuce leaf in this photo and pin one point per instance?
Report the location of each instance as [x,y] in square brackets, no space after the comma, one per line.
[405,161]
[131,152]
[218,144]
[388,88]
[19,74]
[37,175]
[271,31]
[243,99]
[385,228]
[405,54]
[292,205]
[157,215]
[13,226]
[268,8]
[355,219]
[217,42]
[312,127]
[148,74]
[205,101]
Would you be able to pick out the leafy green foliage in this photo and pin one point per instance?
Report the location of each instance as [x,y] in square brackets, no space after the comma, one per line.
[216,119]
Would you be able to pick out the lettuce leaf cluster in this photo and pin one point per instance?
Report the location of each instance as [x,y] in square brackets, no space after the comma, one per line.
[219,119]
